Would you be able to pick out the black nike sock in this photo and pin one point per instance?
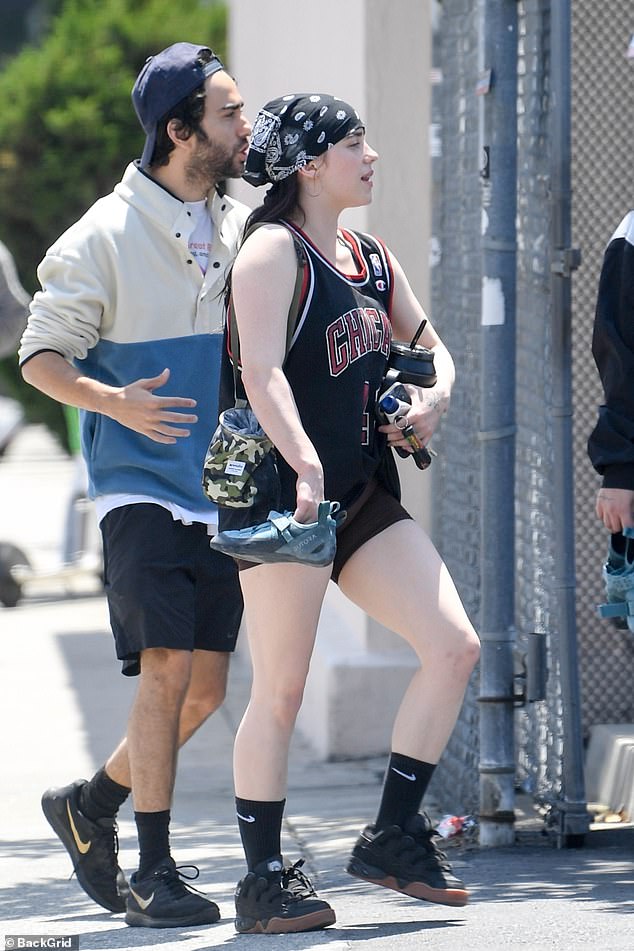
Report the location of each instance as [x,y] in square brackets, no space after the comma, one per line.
[101,797]
[406,781]
[260,826]
[154,846]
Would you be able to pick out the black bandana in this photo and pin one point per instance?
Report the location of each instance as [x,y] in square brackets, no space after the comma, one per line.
[290,131]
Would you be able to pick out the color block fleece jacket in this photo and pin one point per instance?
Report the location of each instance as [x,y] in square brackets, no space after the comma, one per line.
[122,299]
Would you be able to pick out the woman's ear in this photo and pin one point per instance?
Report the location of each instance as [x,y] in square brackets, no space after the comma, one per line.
[311,168]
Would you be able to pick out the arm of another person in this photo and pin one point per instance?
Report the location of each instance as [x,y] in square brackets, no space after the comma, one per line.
[134,406]
[64,324]
[262,285]
[611,444]
[428,404]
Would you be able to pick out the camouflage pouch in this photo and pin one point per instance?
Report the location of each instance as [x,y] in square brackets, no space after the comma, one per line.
[236,451]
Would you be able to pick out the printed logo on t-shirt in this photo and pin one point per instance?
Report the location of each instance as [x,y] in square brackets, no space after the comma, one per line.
[200,251]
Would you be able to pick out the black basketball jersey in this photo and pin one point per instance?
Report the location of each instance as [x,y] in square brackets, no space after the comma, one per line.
[336,362]
[335,365]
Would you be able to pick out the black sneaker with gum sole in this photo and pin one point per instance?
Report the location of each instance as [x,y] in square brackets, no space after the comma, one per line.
[407,861]
[92,846]
[276,900]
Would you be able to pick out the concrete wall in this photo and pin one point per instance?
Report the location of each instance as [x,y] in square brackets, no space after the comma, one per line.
[377,56]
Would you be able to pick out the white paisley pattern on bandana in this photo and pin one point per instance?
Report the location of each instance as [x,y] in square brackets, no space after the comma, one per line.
[292,130]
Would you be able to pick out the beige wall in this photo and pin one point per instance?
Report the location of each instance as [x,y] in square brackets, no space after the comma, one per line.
[283,46]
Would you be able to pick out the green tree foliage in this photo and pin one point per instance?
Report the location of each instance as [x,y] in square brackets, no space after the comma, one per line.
[68,128]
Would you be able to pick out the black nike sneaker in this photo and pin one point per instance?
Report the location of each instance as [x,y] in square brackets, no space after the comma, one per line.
[276,900]
[163,899]
[408,861]
[93,846]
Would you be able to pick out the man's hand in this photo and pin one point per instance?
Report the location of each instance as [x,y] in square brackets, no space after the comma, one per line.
[136,407]
[615,508]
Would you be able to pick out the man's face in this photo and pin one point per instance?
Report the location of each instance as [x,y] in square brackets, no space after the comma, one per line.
[223,152]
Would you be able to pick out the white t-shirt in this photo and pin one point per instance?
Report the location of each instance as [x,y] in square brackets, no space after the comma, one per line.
[202,236]
[105,504]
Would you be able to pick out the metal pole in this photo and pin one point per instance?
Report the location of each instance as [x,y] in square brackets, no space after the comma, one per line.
[497,88]
[573,818]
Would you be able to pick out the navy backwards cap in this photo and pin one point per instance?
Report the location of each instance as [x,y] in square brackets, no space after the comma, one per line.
[165,79]
[290,131]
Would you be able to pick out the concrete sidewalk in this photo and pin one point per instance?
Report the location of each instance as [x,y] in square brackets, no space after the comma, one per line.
[64,707]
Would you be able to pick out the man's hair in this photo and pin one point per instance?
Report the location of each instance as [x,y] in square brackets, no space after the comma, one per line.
[188,112]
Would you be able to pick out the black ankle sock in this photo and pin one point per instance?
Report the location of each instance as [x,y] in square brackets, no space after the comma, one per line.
[260,826]
[101,797]
[406,781]
[153,830]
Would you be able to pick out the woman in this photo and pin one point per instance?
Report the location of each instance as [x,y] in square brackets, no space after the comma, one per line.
[318,407]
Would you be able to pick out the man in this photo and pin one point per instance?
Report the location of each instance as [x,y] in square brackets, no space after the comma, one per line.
[611,444]
[127,327]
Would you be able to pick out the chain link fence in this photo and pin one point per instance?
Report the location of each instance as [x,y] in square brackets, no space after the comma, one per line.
[602,107]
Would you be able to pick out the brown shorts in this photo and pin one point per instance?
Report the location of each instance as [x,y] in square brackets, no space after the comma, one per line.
[375,510]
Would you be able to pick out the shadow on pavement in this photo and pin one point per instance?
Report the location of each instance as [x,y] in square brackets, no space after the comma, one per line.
[103,695]
[604,875]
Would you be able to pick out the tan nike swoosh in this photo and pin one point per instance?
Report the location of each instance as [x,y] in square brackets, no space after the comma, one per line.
[142,902]
[82,846]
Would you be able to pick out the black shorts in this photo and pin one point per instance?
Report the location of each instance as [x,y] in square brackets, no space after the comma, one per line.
[371,514]
[165,586]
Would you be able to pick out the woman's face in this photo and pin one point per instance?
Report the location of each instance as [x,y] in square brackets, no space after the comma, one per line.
[347,169]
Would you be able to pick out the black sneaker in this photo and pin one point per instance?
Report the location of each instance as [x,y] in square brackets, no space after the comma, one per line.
[277,900]
[92,846]
[408,861]
[161,899]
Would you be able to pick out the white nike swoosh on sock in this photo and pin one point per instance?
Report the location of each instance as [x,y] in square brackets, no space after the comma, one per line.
[246,818]
[410,776]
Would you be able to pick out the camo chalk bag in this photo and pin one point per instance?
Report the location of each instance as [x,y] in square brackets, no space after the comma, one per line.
[240,471]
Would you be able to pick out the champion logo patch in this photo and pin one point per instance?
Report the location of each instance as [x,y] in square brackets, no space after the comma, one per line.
[380,285]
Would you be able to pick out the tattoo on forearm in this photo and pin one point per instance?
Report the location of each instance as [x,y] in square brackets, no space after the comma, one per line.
[435,401]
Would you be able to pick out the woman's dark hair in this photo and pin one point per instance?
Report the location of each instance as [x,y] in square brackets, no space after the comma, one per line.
[188,112]
[280,202]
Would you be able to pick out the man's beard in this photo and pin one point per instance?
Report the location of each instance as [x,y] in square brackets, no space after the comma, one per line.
[211,163]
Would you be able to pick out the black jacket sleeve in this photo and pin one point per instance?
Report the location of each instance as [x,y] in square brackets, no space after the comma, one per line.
[611,443]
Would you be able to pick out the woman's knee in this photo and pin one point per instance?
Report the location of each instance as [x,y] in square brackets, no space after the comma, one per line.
[283,703]
[472,649]
[466,650]
[453,654]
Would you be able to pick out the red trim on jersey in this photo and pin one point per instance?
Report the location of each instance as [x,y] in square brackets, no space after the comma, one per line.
[359,276]
[228,343]
[353,244]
